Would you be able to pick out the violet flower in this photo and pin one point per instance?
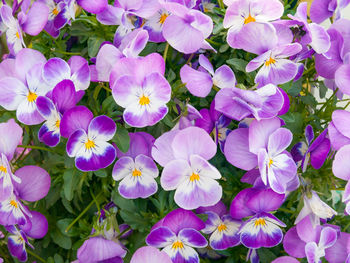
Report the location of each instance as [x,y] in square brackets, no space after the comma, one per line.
[63,98]
[88,138]
[188,117]
[139,86]
[315,208]
[177,234]
[314,150]
[154,25]
[263,228]
[30,20]
[136,170]
[215,123]
[320,10]
[263,144]
[244,16]
[149,254]
[237,104]
[21,89]
[200,82]
[304,240]
[93,6]
[184,154]
[340,251]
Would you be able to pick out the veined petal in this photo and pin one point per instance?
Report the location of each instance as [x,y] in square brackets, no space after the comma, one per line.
[46,107]
[185,254]
[160,237]
[212,222]
[123,168]
[203,167]
[28,113]
[100,156]
[157,87]
[226,234]
[13,212]
[138,186]
[147,165]
[76,142]
[102,128]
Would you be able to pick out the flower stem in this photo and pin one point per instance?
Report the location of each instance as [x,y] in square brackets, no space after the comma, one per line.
[221,4]
[36,147]
[35,256]
[82,213]
[166,51]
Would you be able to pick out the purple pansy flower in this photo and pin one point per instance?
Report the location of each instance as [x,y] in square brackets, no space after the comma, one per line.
[315,208]
[263,144]
[252,16]
[188,116]
[77,70]
[98,249]
[136,169]
[88,138]
[93,6]
[186,29]
[262,229]
[63,97]
[30,20]
[21,89]
[154,25]
[237,104]
[184,154]
[199,82]
[177,234]
[215,123]
[139,86]
[150,255]
[320,10]
[316,151]
[304,240]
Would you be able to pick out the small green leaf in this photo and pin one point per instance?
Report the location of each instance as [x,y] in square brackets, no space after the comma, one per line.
[237,64]
[122,138]
[70,182]
[94,44]
[61,240]
[101,173]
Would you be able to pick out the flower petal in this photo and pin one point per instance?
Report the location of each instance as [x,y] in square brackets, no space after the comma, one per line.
[10,137]
[192,237]
[74,119]
[279,140]
[197,82]
[179,219]
[293,245]
[160,237]
[13,93]
[150,255]
[36,19]
[102,128]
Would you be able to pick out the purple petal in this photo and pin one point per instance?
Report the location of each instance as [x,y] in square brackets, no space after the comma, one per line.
[237,150]
[179,219]
[197,82]
[55,70]
[107,57]
[93,6]
[320,38]
[140,143]
[80,72]
[337,139]
[205,122]
[133,43]
[49,137]
[97,249]
[10,137]
[311,250]
[219,209]
[162,151]
[150,255]
[64,95]
[147,118]
[307,232]
[75,118]
[338,253]
[39,226]
[13,91]
[46,107]
[319,11]
[341,164]
[192,237]
[36,19]
[328,237]
[193,140]
[160,237]
[279,140]
[102,128]
[174,173]
[265,201]
[16,248]
[285,259]
[342,78]
[319,155]
[224,77]
[35,183]
[238,208]
[76,142]
[205,63]
[293,245]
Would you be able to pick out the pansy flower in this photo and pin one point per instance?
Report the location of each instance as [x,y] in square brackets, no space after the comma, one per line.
[315,151]
[178,234]
[154,25]
[263,228]
[149,254]
[93,6]
[30,20]
[88,138]
[199,82]
[139,86]
[184,155]
[320,10]
[136,169]
[21,90]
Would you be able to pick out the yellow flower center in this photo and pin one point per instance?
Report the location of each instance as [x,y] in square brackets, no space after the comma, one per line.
[89,144]
[222,227]
[144,100]
[14,203]
[3,169]
[136,173]
[162,18]
[270,61]
[57,123]
[249,19]
[17,35]
[55,11]
[32,96]
[194,177]
[270,162]
[260,222]
[177,244]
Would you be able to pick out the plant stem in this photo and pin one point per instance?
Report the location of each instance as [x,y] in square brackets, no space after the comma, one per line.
[82,213]
[166,51]
[221,4]
[36,147]
[35,256]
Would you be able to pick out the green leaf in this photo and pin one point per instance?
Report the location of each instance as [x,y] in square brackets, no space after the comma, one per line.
[237,64]
[62,226]
[71,181]
[101,173]
[265,255]
[58,259]
[94,44]
[61,240]
[122,138]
